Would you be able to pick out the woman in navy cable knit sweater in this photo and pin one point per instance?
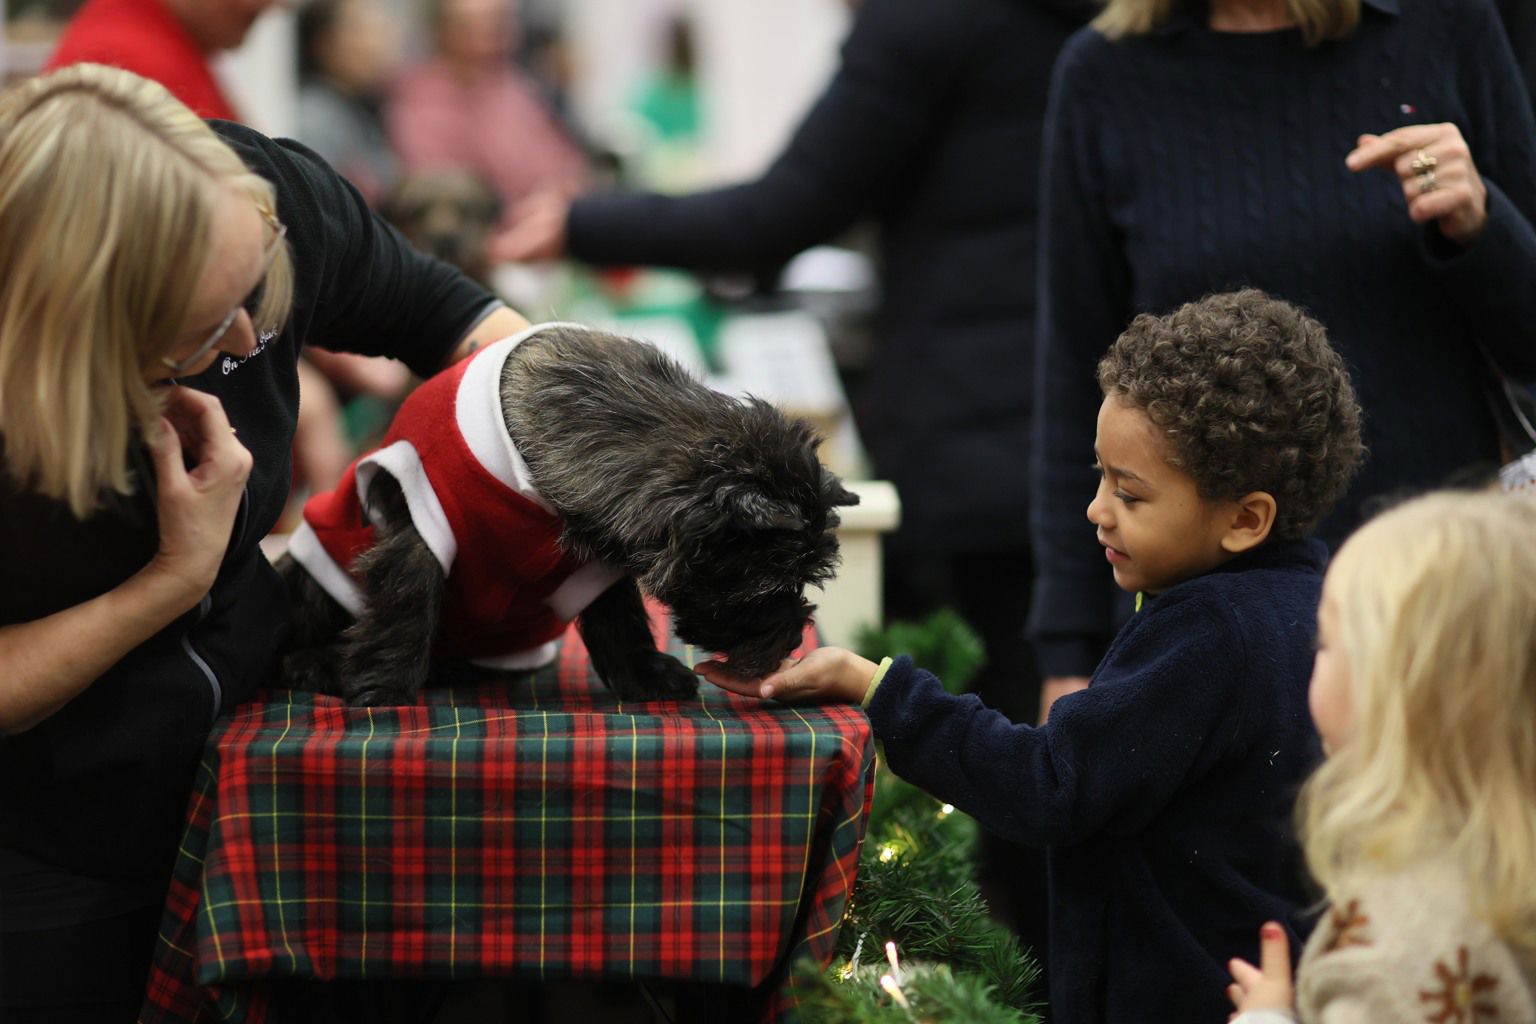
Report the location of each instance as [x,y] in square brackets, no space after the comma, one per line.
[1373,161]
[1163,791]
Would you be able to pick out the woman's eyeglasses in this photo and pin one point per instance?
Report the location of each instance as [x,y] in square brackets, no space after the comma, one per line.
[251,304]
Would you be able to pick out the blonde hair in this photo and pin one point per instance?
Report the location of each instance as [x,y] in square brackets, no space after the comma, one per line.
[1436,621]
[107,191]
[1318,20]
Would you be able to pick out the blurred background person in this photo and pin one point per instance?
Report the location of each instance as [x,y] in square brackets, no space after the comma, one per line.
[468,107]
[348,49]
[166,41]
[667,105]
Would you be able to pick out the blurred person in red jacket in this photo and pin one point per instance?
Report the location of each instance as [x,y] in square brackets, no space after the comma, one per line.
[167,41]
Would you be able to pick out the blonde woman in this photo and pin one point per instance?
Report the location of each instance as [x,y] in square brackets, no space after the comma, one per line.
[1373,161]
[158,278]
[1421,825]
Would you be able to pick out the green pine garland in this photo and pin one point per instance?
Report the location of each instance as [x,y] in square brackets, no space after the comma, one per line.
[916,888]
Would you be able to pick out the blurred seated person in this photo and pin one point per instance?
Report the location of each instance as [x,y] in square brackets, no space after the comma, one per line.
[468,107]
[347,51]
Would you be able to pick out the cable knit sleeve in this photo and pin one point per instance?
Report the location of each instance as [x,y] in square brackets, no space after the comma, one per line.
[1494,280]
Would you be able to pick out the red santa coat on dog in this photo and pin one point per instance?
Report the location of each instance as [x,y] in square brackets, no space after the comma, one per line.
[468,489]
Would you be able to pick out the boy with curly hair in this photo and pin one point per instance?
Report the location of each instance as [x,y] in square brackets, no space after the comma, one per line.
[1163,791]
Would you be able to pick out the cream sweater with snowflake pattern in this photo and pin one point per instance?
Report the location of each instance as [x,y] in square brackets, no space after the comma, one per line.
[1403,947]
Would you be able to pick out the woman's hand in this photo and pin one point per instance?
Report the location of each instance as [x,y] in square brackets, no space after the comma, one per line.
[1440,181]
[1267,987]
[825,674]
[197,505]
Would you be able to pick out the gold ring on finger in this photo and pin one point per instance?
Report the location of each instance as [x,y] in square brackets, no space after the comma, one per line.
[1427,182]
[1423,162]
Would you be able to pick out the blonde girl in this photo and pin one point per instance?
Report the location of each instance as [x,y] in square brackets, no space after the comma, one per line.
[1421,825]
[158,278]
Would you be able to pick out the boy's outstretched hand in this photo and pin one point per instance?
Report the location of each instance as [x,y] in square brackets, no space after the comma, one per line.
[825,674]
[1268,986]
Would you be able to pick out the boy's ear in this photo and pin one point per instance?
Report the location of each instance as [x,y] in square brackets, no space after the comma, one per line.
[1253,516]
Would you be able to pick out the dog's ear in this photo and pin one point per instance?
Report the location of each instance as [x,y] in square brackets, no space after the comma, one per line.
[833,492]
[753,510]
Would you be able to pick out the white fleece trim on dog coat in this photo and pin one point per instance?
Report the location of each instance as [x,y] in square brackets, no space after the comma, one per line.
[482,424]
[401,461]
[305,548]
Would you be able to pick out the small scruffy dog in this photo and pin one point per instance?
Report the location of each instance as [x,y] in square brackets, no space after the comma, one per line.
[448,214]
[549,478]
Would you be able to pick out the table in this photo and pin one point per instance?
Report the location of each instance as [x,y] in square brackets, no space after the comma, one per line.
[532,829]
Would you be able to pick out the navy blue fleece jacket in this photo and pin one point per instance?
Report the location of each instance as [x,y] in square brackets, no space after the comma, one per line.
[1164,790]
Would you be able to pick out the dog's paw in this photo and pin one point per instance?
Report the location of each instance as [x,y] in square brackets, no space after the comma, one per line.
[657,676]
[373,694]
[311,671]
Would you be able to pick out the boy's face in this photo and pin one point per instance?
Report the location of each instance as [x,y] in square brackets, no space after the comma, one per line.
[1155,527]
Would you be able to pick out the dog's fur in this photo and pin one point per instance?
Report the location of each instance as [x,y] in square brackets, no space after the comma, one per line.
[447,213]
[717,506]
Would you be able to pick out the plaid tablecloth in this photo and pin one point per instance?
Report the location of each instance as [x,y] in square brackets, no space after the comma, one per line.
[538,829]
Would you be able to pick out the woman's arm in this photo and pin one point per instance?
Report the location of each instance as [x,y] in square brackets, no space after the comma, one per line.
[867,133]
[47,662]
[500,323]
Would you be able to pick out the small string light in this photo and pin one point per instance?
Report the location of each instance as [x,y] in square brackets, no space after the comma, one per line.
[890,957]
[888,853]
[894,991]
[946,811]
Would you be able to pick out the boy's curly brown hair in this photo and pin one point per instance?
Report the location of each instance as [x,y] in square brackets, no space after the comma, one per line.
[1250,397]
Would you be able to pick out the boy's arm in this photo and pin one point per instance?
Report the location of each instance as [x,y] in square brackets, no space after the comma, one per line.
[1164,707]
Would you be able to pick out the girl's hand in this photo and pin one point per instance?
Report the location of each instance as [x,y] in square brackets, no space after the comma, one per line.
[1267,987]
[196,506]
[1440,181]
[825,674]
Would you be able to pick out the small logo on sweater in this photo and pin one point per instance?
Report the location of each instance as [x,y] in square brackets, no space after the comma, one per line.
[231,364]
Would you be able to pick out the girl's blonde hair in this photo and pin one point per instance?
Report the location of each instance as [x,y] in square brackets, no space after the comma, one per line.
[107,192]
[1435,605]
[1318,20]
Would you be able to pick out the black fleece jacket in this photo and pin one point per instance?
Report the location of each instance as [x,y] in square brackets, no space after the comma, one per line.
[93,797]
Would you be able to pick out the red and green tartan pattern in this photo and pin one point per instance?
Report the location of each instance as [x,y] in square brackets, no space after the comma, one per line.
[538,828]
